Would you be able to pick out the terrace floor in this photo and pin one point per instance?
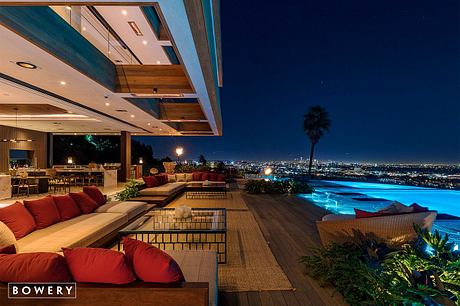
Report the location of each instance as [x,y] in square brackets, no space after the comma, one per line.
[288,226]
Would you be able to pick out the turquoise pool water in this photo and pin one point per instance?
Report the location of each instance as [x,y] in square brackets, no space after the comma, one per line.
[342,196]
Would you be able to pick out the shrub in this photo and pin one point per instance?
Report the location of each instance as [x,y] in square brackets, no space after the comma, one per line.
[369,273]
[131,191]
[277,187]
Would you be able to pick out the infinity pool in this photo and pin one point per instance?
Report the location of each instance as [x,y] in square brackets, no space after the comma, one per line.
[342,196]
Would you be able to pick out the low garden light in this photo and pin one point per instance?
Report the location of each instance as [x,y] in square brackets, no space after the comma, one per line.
[179,152]
[141,161]
[69,160]
[268,171]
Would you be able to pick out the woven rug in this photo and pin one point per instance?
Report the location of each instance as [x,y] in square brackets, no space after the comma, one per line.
[251,266]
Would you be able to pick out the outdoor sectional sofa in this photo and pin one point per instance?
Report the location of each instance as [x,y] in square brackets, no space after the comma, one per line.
[96,229]
[166,187]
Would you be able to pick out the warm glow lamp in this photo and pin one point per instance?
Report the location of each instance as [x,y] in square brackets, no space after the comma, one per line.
[141,161]
[69,160]
[268,171]
[179,152]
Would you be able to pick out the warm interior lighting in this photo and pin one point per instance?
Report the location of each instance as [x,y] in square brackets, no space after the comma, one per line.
[148,124]
[132,116]
[124,12]
[158,62]
[26,65]
[135,28]
[107,104]
[63,83]
[68,8]
[144,42]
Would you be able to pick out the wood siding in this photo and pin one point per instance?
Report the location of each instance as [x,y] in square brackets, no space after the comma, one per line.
[38,145]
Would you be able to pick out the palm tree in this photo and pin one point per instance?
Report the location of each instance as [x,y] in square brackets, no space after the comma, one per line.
[315,123]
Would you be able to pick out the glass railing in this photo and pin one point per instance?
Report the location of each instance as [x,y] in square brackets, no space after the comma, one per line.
[83,20]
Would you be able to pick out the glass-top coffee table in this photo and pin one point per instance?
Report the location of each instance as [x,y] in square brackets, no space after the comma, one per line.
[214,190]
[206,229]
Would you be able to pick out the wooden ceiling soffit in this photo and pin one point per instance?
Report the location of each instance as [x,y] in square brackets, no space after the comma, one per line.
[152,79]
[190,127]
[181,112]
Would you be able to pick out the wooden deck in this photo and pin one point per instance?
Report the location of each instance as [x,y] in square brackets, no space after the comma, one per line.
[288,224]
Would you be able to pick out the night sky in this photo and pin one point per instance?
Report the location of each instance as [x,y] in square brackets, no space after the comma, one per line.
[387,72]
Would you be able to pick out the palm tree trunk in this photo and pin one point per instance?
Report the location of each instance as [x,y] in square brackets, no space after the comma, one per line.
[310,163]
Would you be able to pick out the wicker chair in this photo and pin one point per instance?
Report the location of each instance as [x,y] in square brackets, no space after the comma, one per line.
[169,167]
[394,230]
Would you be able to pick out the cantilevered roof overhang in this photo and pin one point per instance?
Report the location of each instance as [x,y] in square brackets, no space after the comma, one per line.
[189,36]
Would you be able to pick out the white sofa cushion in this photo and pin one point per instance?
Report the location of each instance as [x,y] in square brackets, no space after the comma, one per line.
[80,231]
[163,190]
[199,266]
[130,208]
[7,237]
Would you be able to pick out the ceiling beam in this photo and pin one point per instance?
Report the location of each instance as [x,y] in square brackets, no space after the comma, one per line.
[181,112]
[152,79]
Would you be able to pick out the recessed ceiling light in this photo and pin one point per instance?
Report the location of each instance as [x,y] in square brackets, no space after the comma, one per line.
[69,8]
[75,134]
[84,29]
[132,116]
[161,129]
[148,124]
[63,83]
[26,65]
[158,62]
[144,42]
[124,12]
[109,52]
[135,28]
[107,104]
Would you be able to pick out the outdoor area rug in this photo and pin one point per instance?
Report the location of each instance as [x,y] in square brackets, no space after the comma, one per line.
[251,266]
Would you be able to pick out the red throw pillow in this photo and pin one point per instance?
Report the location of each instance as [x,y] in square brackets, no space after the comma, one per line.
[84,202]
[18,219]
[33,267]
[44,211]
[150,181]
[162,179]
[205,176]
[150,263]
[417,208]
[367,214]
[11,249]
[197,176]
[213,177]
[221,178]
[67,207]
[99,266]
[95,194]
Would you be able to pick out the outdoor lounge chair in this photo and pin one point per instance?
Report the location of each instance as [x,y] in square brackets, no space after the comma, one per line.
[392,229]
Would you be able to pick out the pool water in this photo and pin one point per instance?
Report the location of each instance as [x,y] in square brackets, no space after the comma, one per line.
[341,197]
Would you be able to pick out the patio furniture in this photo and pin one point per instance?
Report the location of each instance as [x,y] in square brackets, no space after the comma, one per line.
[392,229]
[169,167]
[201,190]
[205,229]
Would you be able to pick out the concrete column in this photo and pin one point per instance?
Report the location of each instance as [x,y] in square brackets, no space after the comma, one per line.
[125,146]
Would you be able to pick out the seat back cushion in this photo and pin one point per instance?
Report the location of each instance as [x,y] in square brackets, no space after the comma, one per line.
[213,177]
[150,181]
[180,177]
[11,249]
[162,179]
[172,178]
[221,178]
[7,237]
[197,176]
[84,202]
[33,267]
[150,263]
[44,211]
[188,177]
[95,265]
[205,176]
[67,207]
[95,194]
[18,219]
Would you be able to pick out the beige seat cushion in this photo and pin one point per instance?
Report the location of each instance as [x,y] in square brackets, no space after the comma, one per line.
[163,190]
[77,232]
[130,208]
[201,182]
[199,266]
[180,177]
[189,177]
[171,178]
[7,237]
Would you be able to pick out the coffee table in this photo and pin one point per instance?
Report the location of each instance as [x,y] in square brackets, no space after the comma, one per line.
[205,229]
[216,190]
